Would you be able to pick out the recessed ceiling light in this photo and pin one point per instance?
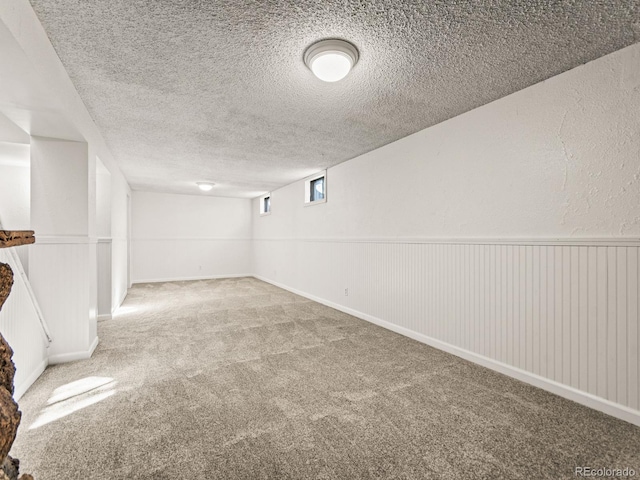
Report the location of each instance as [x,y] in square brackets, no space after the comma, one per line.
[331,60]
[205,186]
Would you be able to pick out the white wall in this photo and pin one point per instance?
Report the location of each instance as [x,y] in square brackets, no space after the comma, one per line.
[14,186]
[59,187]
[178,237]
[560,158]
[21,326]
[62,262]
[119,240]
[480,235]
[19,320]
[103,247]
[15,190]
[103,202]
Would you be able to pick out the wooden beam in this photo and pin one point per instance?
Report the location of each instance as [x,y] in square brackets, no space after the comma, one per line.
[6,282]
[14,238]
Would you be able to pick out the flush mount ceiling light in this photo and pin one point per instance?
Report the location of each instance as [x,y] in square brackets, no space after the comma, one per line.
[331,60]
[205,186]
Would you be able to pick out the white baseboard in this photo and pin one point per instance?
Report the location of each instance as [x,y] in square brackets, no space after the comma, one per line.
[597,403]
[21,389]
[104,316]
[186,279]
[73,356]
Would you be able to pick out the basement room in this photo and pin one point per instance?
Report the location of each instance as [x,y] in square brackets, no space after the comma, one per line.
[319,239]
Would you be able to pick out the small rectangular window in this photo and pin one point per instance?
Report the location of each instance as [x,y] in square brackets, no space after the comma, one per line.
[315,189]
[265,205]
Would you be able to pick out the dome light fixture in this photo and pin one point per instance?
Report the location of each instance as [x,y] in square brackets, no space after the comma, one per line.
[205,186]
[331,60]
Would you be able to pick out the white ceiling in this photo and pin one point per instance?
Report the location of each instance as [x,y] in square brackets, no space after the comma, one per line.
[190,90]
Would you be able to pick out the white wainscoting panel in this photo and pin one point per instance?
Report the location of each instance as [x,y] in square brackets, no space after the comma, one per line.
[564,312]
[103,252]
[20,325]
[60,276]
[168,259]
[119,275]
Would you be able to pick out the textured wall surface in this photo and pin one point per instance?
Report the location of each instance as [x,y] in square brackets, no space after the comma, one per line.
[187,91]
[558,159]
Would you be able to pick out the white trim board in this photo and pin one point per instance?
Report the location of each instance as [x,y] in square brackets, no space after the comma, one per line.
[63,239]
[21,389]
[602,405]
[70,357]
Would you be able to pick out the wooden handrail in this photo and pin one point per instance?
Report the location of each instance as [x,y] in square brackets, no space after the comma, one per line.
[14,238]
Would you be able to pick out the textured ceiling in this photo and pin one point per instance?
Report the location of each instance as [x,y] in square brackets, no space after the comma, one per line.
[188,90]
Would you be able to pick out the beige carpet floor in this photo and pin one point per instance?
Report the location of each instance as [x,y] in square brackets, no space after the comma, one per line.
[235,378]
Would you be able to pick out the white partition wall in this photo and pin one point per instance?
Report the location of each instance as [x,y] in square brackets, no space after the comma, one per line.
[119,241]
[509,235]
[20,321]
[23,328]
[15,204]
[105,282]
[103,246]
[187,237]
[63,261]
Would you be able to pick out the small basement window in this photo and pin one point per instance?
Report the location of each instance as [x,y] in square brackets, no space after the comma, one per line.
[265,205]
[315,189]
